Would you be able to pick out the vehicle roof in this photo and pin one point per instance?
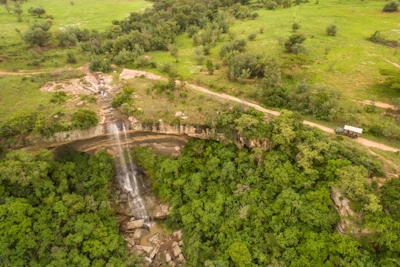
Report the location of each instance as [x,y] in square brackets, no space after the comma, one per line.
[353,129]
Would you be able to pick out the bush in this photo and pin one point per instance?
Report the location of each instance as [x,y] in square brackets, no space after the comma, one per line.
[198,53]
[295,26]
[37,34]
[291,44]
[271,5]
[391,7]
[58,98]
[123,98]
[98,64]
[252,36]
[192,30]
[71,57]
[331,30]
[84,119]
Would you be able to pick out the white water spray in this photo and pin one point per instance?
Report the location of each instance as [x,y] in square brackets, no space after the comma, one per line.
[127,175]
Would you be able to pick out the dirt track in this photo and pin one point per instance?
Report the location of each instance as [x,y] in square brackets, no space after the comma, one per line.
[128,74]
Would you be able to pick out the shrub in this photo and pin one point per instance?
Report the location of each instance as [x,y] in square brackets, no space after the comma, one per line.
[84,119]
[123,98]
[291,44]
[98,64]
[198,53]
[391,7]
[37,34]
[295,26]
[271,5]
[71,57]
[58,98]
[331,30]
[252,36]
[192,30]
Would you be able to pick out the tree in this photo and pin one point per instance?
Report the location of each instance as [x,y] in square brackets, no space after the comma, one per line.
[210,67]
[36,11]
[84,119]
[293,41]
[18,11]
[331,30]
[240,254]
[198,53]
[391,7]
[37,34]
[272,73]
[173,49]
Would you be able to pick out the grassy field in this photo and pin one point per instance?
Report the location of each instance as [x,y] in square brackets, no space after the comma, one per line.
[89,14]
[347,62]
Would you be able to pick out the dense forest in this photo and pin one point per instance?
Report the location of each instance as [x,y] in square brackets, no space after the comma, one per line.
[274,208]
[55,211]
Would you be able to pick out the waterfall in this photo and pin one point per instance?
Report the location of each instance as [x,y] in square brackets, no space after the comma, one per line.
[127,174]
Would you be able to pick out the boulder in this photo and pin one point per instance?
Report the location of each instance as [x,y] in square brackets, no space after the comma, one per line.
[122,218]
[176,250]
[134,224]
[154,252]
[154,239]
[167,257]
[178,234]
[139,232]
[181,258]
[178,113]
[146,249]
[181,243]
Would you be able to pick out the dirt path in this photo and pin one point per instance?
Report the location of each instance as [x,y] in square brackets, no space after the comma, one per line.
[376,103]
[128,74]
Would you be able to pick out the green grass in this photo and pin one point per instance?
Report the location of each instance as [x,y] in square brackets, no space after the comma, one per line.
[90,14]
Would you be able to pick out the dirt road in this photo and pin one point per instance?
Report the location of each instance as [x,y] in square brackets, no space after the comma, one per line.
[128,74]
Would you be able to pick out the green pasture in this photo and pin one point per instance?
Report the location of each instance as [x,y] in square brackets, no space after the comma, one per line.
[90,14]
[347,62]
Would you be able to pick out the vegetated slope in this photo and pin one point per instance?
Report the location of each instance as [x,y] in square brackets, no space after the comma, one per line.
[57,212]
[273,208]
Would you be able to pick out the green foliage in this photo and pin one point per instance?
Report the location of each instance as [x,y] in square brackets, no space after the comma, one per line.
[252,36]
[36,11]
[390,197]
[271,5]
[331,30]
[296,26]
[241,207]
[71,59]
[198,53]
[125,97]
[210,67]
[84,119]
[379,38]
[392,78]
[391,7]
[55,212]
[37,34]
[293,41]
[58,98]
[98,64]
[234,45]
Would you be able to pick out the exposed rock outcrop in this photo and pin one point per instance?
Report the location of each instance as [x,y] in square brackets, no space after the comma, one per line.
[341,204]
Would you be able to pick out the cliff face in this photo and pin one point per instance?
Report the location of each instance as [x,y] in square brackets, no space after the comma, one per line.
[165,139]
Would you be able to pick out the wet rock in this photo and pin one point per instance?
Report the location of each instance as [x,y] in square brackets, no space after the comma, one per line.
[123,198]
[154,239]
[139,232]
[134,224]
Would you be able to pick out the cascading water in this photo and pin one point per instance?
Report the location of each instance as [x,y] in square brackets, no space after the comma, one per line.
[127,174]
